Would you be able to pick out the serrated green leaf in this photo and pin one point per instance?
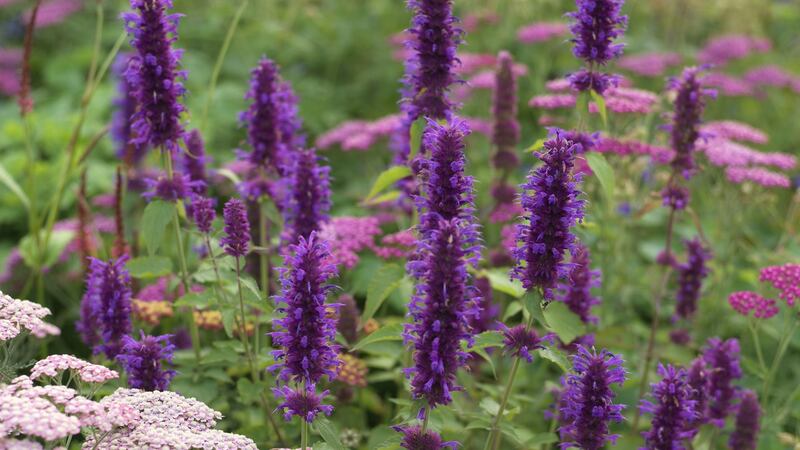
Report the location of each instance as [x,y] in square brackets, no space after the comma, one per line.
[228,319]
[487,339]
[11,184]
[601,106]
[385,280]
[393,332]
[199,300]
[541,439]
[604,173]
[149,266]
[500,281]
[415,137]
[490,406]
[329,432]
[531,302]
[248,391]
[59,240]
[556,357]
[157,215]
[563,322]
[387,178]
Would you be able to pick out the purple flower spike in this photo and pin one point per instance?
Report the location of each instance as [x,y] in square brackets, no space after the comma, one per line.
[106,306]
[722,359]
[304,403]
[125,106]
[271,119]
[745,435]
[236,241]
[203,213]
[684,127]
[489,310]
[550,199]
[577,291]
[306,332]
[673,411]
[179,187]
[596,24]
[690,278]
[143,361]
[154,75]
[440,310]
[697,379]
[309,196]
[675,197]
[416,439]
[520,341]
[195,160]
[587,401]
[504,109]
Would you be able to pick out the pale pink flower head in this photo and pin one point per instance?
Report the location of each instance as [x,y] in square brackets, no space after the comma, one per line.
[17,316]
[86,372]
[757,175]
[734,131]
[728,85]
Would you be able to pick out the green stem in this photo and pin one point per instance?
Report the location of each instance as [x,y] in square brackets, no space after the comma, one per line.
[303,434]
[757,343]
[264,264]
[776,362]
[242,328]
[426,416]
[212,85]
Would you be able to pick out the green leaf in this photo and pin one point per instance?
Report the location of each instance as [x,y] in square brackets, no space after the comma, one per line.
[384,281]
[393,332]
[536,146]
[500,281]
[512,310]
[199,300]
[12,185]
[556,357]
[541,439]
[157,215]
[59,240]
[563,322]
[487,339]
[229,174]
[482,353]
[248,391]
[383,198]
[149,266]
[604,173]
[415,138]
[601,106]
[329,432]
[490,406]
[387,178]
[532,305]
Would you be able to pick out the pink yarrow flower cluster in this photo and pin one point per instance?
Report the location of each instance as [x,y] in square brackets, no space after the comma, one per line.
[720,50]
[649,64]
[722,152]
[758,175]
[18,315]
[745,302]
[348,236]
[734,131]
[786,279]
[397,245]
[661,155]
[728,85]
[359,135]
[542,31]
[86,372]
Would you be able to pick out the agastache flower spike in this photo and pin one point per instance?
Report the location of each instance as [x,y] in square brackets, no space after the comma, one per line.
[154,74]
[673,411]
[236,241]
[125,107]
[587,401]
[745,434]
[106,306]
[690,102]
[195,160]
[520,341]
[697,379]
[304,403]
[577,291]
[143,361]
[203,213]
[690,278]
[505,135]
[309,198]
[416,439]
[306,332]
[550,199]
[722,359]
[596,24]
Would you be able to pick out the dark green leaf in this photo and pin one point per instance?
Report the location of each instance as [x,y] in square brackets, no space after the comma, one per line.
[556,357]
[391,332]
[329,432]
[500,281]
[603,172]
[415,139]
[59,240]
[387,178]
[12,185]
[200,300]
[149,266]
[157,215]
[487,339]
[383,282]
[601,106]
[563,322]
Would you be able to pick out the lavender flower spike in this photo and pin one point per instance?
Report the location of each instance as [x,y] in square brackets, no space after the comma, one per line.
[203,213]
[143,361]
[505,135]
[195,160]
[304,403]
[154,74]
[440,309]
[550,200]
[306,333]
[684,127]
[416,439]
[236,241]
[577,292]
[125,106]
[722,359]
[673,411]
[106,306]
[309,198]
[690,278]
[745,435]
[597,23]
[697,379]
[587,401]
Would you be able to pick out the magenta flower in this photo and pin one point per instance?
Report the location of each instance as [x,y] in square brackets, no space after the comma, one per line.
[786,279]
[745,302]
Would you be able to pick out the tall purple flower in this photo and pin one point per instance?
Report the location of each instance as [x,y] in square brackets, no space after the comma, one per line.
[505,134]
[673,411]
[195,160]
[236,241]
[596,24]
[577,291]
[722,359]
[690,278]
[489,310]
[416,439]
[309,197]
[440,310]
[587,401]
[684,126]
[271,119]
[106,306]
[304,403]
[430,68]
[745,434]
[306,332]
[144,361]
[550,199]
[697,379]
[125,106]
[446,192]
[178,187]
[154,73]
[203,213]
[520,341]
